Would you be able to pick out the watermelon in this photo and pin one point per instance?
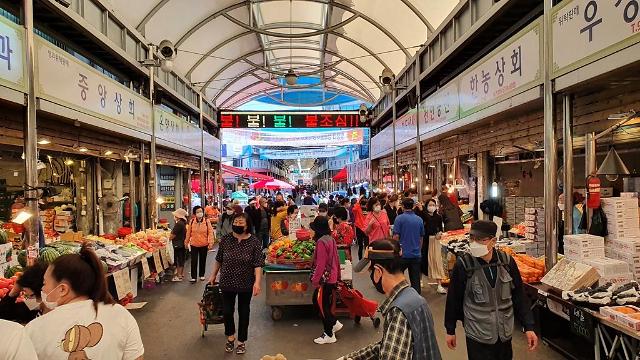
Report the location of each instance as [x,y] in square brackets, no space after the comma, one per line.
[3,237]
[22,258]
[66,250]
[48,254]
[10,271]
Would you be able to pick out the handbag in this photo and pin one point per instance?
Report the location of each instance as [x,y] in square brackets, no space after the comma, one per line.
[325,274]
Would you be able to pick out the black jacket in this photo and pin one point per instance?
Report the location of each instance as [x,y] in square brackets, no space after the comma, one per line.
[18,312]
[255,215]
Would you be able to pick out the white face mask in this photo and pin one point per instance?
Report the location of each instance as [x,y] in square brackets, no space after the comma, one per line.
[199,215]
[377,208]
[32,303]
[477,249]
[229,212]
[49,304]
[431,209]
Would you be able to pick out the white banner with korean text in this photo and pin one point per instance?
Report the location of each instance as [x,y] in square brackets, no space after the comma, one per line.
[66,80]
[12,70]
[586,30]
[177,130]
[406,127]
[381,142]
[513,67]
[440,109]
[211,147]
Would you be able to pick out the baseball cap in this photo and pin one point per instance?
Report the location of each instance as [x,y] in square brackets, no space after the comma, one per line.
[377,251]
[483,229]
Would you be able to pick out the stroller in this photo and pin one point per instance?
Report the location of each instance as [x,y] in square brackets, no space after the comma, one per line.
[210,307]
[350,302]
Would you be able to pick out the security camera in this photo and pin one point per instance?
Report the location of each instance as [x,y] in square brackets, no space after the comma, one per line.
[363,110]
[387,77]
[166,65]
[167,50]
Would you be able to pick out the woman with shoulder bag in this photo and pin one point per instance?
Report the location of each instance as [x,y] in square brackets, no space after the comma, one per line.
[325,273]
[377,221]
[199,241]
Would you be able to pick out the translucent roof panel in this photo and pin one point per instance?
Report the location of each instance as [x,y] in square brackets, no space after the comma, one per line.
[346,44]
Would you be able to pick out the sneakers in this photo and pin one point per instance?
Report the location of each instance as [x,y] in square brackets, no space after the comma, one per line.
[337,327]
[325,339]
[192,280]
[201,278]
[441,289]
[176,279]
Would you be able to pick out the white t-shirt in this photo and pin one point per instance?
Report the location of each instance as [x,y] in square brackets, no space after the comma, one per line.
[74,328]
[14,342]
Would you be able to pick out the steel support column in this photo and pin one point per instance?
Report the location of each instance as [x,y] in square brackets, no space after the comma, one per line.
[419,173]
[203,179]
[132,194]
[143,192]
[550,151]
[567,151]
[153,171]
[393,128]
[30,134]
[590,166]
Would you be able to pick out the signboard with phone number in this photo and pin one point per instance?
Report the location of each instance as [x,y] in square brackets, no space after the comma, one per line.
[290,120]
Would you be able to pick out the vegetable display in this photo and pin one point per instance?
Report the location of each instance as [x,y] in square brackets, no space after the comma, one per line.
[291,252]
[531,269]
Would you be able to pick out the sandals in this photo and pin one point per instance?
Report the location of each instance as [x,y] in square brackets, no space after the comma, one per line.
[229,346]
[241,349]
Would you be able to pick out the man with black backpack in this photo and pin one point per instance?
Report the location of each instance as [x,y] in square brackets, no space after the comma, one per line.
[485,293]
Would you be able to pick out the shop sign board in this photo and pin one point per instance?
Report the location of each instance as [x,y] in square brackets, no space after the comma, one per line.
[176,130]
[581,323]
[381,142]
[584,31]
[440,109]
[211,146]
[167,184]
[406,127]
[334,137]
[63,79]
[513,67]
[12,70]
[301,153]
[290,120]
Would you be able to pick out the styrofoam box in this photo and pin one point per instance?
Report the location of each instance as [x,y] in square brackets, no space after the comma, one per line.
[531,210]
[530,217]
[610,252]
[631,259]
[609,311]
[530,230]
[621,278]
[581,254]
[529,223]
[583,240]
[627,245]
[622,234]
[607,266]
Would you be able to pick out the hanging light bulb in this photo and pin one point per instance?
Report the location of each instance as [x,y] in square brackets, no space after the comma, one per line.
[494,189]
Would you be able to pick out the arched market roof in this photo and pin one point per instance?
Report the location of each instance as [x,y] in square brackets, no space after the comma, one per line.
[238,50]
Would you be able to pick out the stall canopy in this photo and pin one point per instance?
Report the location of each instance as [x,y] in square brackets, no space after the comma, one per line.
[274,184]
[233,171]
[341,176]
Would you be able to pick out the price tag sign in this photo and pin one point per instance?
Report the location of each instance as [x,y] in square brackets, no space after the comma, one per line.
[123,283]
[165,257]
[581,323]
[157,261]
[146,272]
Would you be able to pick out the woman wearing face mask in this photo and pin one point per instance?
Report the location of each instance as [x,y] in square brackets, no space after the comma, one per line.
[177,237]
[239,262]
[84,321]
[199,240]
[432,264]
[377,221]
[30,286]
[325,274]
[224,225]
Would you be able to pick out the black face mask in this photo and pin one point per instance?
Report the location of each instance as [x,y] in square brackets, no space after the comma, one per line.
[237,229]
[377,285]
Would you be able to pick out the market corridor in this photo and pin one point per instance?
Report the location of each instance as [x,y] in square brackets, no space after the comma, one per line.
[170,328]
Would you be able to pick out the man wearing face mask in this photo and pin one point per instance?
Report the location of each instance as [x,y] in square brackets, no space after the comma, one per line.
[30,286]
[408,332]
[485,293]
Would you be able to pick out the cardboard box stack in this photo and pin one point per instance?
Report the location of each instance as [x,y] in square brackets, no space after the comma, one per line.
[581,247]
[623,241]
[514,207]
[534,230]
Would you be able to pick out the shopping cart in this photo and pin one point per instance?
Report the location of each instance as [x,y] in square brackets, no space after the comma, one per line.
[210,307]
[350,302]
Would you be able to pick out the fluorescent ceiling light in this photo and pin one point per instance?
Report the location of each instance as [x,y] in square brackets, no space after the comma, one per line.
[44,141]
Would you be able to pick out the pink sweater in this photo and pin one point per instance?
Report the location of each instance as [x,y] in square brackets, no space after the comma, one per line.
[325,257]
[379,226]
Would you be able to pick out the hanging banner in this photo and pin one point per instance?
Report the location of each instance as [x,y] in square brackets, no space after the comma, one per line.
[12,70]
[302,153]
[339,163]
[273,138]
[440,109]
[63,79]
[177,130]
[211,146]
[406,127]
[381,142]
[513,67]
[584,31]
[290,119]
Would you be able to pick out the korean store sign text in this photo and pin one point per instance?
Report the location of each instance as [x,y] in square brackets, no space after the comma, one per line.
[211,146]
[177,130]
[440,108]
[66,80]
[586,30]
[11,55]
[381,142]
[406,127]
[284,120]
[508,69]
